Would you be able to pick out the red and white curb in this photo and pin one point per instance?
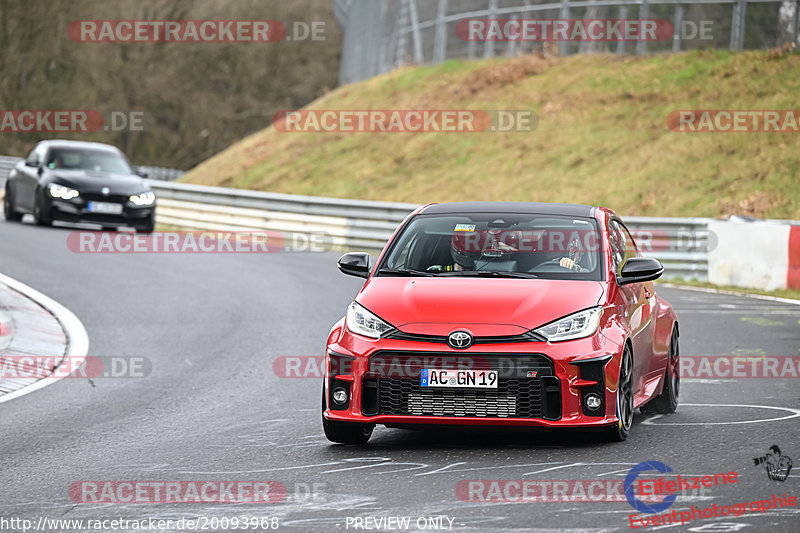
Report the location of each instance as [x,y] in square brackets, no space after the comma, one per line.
[41,326]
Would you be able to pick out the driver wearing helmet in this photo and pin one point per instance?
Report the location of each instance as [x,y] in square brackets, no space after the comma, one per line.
[574,256]
[465,249]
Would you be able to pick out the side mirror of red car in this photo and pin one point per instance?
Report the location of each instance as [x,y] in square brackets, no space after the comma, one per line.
[639,269]
[355,264]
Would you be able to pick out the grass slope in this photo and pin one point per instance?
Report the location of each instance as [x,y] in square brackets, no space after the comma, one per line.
[601,138]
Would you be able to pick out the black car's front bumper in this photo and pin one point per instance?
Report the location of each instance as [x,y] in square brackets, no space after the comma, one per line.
[77,210]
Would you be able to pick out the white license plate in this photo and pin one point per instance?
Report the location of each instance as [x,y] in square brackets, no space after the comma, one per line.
[481,379]
[105,207]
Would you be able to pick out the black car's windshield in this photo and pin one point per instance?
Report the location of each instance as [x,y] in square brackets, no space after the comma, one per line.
[88,159]
[509,245]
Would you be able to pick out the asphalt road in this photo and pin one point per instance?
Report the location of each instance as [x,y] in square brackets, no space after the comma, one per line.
[213,409]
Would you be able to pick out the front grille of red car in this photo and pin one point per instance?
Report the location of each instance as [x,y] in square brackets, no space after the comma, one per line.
[527,386]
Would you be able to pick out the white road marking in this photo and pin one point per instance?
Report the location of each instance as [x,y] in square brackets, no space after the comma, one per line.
[442,469]
[77,338]
[794,413]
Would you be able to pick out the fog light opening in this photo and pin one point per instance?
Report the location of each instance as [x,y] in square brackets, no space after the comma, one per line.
[593,402]
[339,396]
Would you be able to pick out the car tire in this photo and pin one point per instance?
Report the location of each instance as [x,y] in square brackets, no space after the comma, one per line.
[8,208]
[624,400]
[149,226]
[40,215]
[666,403]
[345,432]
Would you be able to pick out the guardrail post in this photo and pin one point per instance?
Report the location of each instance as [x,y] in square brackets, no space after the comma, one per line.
[562,45]
[677,20]
[623,14]
[415,35]
[644,12]
[382,66]
[796,31]
[512,44]
[403,26]
[742,22]
[471,49]
[737,24]
[488,45]
[440,40]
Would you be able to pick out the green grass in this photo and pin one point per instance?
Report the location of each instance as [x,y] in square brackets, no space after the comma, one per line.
[601,138]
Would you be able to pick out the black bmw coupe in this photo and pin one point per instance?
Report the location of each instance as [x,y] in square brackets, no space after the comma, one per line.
[76,181]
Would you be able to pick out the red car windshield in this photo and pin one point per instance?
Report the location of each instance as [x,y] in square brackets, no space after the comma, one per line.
[541,246]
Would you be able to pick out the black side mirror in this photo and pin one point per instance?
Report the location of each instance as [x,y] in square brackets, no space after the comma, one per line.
[142,173]
[638,269]
[355,264]
[34,164]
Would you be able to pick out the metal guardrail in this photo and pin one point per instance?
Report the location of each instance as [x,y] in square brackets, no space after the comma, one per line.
[162,173]
[156,173]
[6,164]
[680,243]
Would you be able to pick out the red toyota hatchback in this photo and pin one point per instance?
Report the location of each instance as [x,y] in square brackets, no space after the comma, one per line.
[502,313]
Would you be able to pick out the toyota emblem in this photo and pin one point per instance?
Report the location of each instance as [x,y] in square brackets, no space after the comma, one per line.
[459,340]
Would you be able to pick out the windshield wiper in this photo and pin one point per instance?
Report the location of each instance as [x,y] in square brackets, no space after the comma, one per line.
[490,274]
[404,272]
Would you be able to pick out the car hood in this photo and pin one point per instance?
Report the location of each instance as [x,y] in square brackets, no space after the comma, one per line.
[93,182]
[486,307]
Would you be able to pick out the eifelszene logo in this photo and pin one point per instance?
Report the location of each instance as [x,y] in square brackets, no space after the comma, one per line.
[630,484]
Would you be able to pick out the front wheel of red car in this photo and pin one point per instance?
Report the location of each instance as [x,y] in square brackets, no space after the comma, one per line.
[667,402]
[619,431]
[345,432]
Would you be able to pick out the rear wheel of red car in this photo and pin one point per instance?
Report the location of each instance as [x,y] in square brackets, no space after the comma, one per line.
[619,431]
[345,432]
[667,402]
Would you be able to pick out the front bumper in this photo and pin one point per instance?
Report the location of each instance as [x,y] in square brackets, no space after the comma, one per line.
[77,210]
[540,383]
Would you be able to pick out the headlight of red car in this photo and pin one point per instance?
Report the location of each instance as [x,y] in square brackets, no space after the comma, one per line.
[361,321]
[575,326]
